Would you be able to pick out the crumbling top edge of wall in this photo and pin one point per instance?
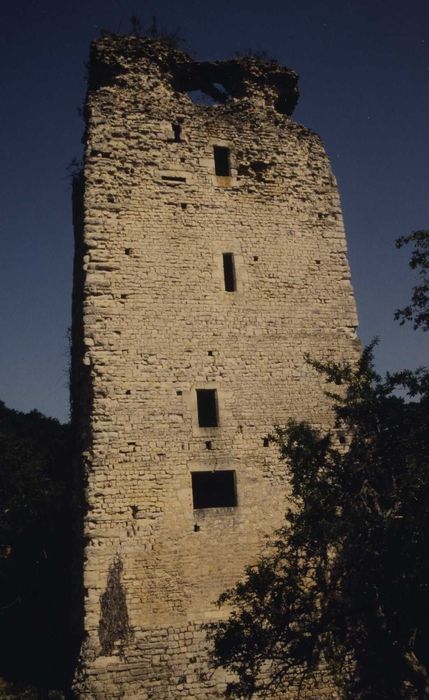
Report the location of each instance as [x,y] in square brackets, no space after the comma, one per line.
[113,56]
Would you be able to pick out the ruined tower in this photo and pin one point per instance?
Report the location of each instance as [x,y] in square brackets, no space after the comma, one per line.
[210,257]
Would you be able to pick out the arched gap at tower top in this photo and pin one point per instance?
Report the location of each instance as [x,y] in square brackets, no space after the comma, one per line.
[199,97]
[205,91]
[209,94]
[208,83]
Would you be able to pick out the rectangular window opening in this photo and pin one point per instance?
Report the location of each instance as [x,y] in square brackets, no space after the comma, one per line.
[221,159]
[229,272]
[214,489]
[207,408]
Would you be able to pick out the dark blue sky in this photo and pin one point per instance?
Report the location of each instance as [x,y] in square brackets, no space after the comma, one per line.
[364,80]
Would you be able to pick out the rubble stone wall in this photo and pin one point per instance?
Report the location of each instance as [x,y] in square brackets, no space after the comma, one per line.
[153,323]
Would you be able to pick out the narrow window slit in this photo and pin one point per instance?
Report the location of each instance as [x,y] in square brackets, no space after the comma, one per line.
[266,442]
[207,408]
[222,161]
[229,272]
[214,489]
[209,444]
[177,131]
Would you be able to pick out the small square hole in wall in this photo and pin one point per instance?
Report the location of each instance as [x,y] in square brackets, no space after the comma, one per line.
[179,392]
[266,442]
[210,353]
[207,408]
[255,258]
[222,161]
[214,489]
[209,445]
[183,205]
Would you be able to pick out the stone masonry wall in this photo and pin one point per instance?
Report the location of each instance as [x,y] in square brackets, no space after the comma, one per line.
[153,323]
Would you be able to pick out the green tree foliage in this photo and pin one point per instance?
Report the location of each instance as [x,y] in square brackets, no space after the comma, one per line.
[346,581]
[418,310]
[34,546]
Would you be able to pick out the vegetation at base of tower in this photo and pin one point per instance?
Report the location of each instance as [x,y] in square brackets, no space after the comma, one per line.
[34,547]
[345,582]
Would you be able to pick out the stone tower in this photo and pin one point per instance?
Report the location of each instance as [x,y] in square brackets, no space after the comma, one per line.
[210,257]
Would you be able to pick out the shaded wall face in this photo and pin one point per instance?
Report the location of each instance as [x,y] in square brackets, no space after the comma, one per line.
[198,282]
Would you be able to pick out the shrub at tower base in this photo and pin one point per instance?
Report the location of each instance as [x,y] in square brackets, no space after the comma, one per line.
[346,582]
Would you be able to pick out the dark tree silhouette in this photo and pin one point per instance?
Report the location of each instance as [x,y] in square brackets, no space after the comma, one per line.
[346,581]
[418,310]
[35,548]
